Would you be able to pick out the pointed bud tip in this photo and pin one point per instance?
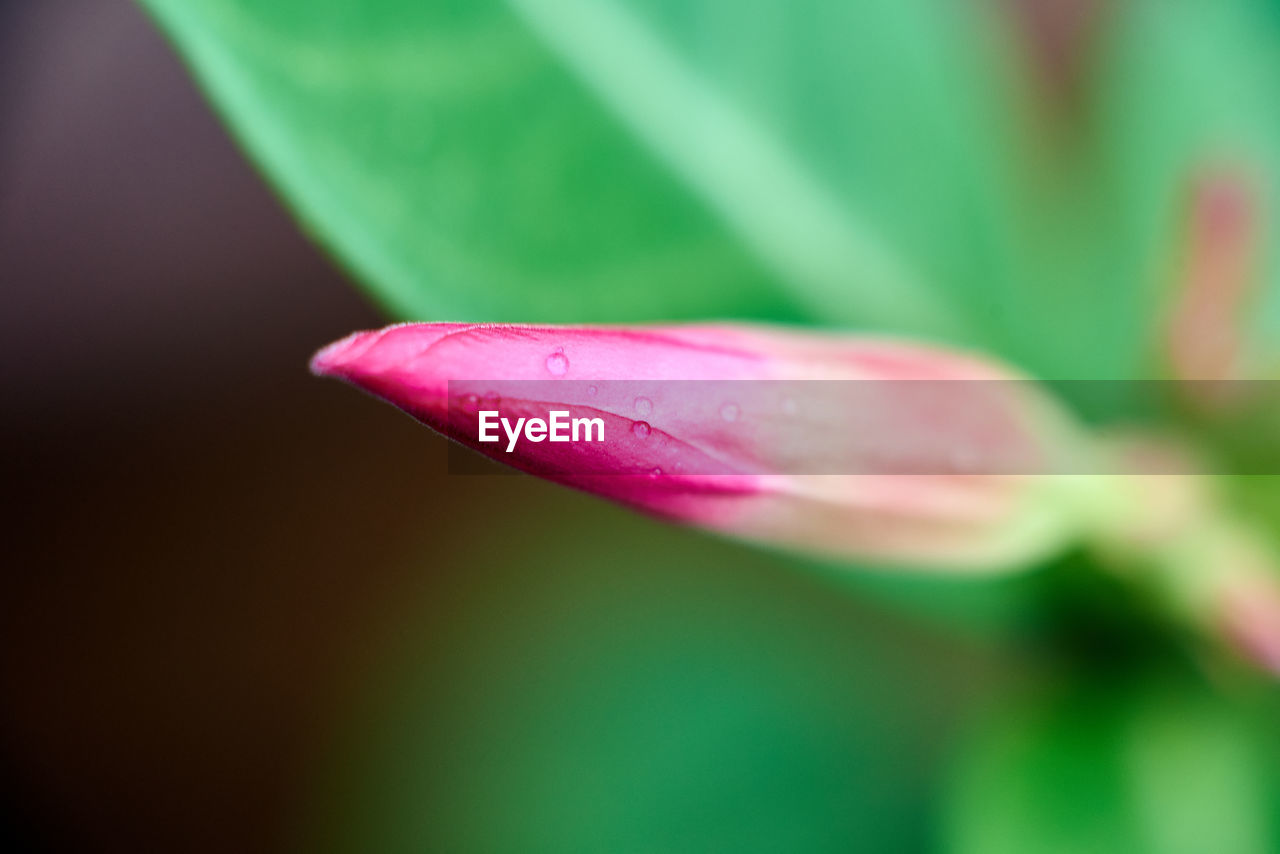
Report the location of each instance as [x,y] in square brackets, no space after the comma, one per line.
[331,360]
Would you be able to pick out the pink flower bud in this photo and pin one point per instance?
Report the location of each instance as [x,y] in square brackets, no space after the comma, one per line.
[853,447]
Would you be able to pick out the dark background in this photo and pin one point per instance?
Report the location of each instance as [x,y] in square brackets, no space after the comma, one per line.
[177,603]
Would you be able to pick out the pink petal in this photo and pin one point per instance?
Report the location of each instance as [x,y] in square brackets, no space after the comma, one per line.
[731,428]
[1237,590]
[1250,616]
[1216,279]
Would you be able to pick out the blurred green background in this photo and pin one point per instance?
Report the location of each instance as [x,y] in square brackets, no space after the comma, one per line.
[249,611]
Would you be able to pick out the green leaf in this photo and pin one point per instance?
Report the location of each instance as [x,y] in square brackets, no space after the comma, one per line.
[537,161]
[888,164]
[1191,85]
[1165,768]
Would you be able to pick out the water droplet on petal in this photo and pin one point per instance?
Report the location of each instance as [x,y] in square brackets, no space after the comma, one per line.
[558,363]
[641,429]
[643,405]
[729,412]
[470,402]
[591,391]
[656,472]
